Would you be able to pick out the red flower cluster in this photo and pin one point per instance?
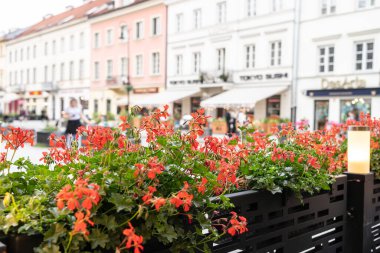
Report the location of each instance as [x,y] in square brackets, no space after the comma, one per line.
[183,198]
[16,137]
[132,240]
[238,224]
[96,137]
[81,198]
[154,126]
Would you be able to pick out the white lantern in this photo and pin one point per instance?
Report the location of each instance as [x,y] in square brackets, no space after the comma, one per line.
[358,149]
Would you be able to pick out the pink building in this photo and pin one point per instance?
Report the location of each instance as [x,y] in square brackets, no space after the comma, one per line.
[128,54]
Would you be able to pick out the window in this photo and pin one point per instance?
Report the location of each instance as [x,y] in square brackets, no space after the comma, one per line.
[364,55]
[275,53]
[326,59]
[156,26]
[71,71]
[15,56]
[28,76]
[46,49]
[179,64]
[21,54]
[321,114]
[139,62]
[109,37]
[108,105]
[328,7]
[46,74]
[179,22]
[62,77]
[53,73]
[34,51]
[96,106]
[251,8]
[16,78]
[221,12]
[21,77]
[34,75]
[123,67]
[365,3]
[96,70]
[197,18]
[124,33]
[10,79]
[139,30]
[81,69]
[53,47]
[81,40]
[276,5]
[72,42]
[197,62]
[109,69]
[274,106]
[62,45]
[221,53]
[250,56]
[155,63]
[10,57]
[96,40]
[351,109]
[27,53]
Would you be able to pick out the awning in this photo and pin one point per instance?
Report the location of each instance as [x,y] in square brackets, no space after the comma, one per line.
[164,97]
[9,97]
[242,97]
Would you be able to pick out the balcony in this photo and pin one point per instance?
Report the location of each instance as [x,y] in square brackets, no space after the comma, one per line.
[117,83]
[44,86]
[15,88]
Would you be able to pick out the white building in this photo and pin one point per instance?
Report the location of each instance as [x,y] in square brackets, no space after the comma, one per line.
[231,53]
[339,71]
[49,63]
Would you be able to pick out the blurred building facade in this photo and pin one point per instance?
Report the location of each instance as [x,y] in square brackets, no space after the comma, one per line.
[128,55]
[233,53]
[47,64]
[339,71]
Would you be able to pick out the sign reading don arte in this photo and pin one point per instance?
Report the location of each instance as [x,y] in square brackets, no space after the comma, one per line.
[344,84]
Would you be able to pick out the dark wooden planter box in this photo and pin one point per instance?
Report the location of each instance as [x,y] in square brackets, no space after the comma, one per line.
[43,137]
[21,243]
[280,223]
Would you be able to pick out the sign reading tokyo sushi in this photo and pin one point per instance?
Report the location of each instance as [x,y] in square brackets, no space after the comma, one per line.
[260,77]
[343,84]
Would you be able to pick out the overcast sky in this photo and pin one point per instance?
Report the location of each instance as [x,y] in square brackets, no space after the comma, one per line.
[23,13]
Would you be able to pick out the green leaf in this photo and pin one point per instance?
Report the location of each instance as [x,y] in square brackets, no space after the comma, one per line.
[48,248]
[98,239]
[233,142]
[56,231]
[121,202]
[108,221]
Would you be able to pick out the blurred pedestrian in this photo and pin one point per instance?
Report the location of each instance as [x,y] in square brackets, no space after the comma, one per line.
[74,115]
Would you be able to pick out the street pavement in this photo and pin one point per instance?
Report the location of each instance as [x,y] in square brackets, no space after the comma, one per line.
[32,153]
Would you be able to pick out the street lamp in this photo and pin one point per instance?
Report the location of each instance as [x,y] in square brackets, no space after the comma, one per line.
[125,79]
[358,149]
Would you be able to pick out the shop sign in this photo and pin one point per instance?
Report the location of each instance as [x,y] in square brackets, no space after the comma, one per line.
[35,93]
[182,82]
[346,84]
[145,90]
[264,77]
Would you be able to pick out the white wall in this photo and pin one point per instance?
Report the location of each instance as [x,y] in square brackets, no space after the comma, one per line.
[342,29]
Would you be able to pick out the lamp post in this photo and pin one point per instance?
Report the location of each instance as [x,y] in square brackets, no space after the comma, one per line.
[358,149]
[125,79]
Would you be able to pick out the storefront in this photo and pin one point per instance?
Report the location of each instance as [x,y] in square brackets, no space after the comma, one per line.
[339,99]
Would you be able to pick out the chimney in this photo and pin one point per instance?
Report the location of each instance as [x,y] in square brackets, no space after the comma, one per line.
[69,7]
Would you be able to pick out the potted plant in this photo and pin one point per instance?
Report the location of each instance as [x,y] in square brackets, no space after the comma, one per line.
[219,126]
[44,134]
[113,194]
